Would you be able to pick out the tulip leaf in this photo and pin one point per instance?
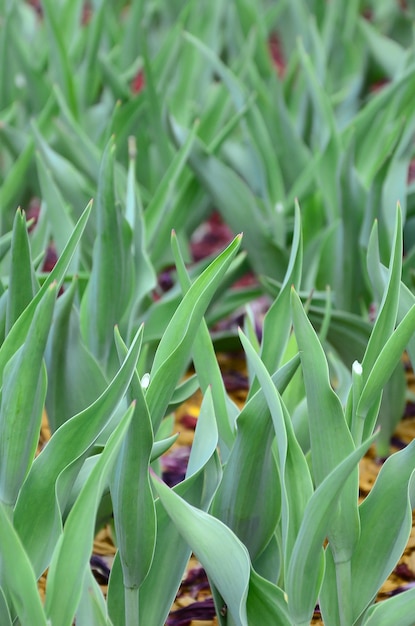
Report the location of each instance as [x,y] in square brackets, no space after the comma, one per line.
[71,557]
[38,511]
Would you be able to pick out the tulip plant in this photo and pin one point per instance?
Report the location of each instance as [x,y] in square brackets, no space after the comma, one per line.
[294,120]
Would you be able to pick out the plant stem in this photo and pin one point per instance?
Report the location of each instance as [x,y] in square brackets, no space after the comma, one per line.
[131,595]
[344,591]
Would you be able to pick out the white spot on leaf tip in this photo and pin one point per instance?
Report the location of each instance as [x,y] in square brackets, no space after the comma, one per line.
[145,381]
[357,368]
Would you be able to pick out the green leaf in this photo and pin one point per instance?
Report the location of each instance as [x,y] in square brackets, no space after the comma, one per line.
[331,443]
[386,520]
[145,274]
[273,344]
[62,70]
[109,288]
[131,493]
[161,202]
[306,568]
[216,547]
[388,309]
[59,216]
[175,346]
[239,207]
[17,576]
[226,562]
[398,610]
[387,52]
[324,124]
[296,483]
[205,439]
[21,283]
[75,379]
[37,514]
[260,153]
[266,603]
[161,446]
[384,366]
[71,557]
[22,399]
[205,362]
[4,610]
[253,514]
[171,555]
[74,186]
[11,188]
[92,609]
[330,438]
[18,332]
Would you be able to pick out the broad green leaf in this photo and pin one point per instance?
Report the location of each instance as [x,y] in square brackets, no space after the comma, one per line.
[161,201]
[205,439]
[161,446]
[17,334]
[296,483]
[75,379]
[171,552]
[145,274]
[388,309]
[331,442]
[92,609]
[324,125]
[37,514]
[379,276]
[17,575]
[386,520]
[306,568]
[22,399]
[274,342]
[171,555]
[266,603]
[253,514]
[21,283]
[175,346]
[131,493]
[71,557]
[223,556]
[397,610]
[4,610]
[10,192]
[387,52]
[239,207]
[226,562]
[74,186]
[206,365]
[330,438]
[63,72]
[384,367]
[109,289]
[59,215]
